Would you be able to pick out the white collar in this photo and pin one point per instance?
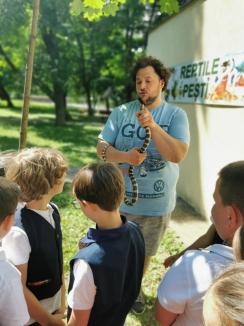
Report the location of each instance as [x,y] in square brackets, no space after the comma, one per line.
[221,250]
[47,214]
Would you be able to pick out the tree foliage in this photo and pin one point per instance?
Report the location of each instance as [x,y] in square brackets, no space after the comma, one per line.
[14,19]
[94,9]
[52,63]
[74,56]
[128,40]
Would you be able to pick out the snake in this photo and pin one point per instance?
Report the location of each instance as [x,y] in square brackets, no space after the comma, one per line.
[130,201]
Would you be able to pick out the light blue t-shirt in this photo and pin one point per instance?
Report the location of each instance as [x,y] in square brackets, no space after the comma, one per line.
[157,189]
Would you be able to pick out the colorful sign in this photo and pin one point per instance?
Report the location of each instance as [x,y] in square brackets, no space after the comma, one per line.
[219,81]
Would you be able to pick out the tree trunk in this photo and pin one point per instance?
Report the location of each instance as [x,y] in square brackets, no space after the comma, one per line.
[107,103]
[60,108]
[5,96]
[88,101]
[83,76]
[28,76]
[129,89]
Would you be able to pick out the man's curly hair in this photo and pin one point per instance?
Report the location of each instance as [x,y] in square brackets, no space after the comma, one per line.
[157,65]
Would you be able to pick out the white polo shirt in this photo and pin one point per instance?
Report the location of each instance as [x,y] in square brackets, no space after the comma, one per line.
[183,287]
[13,308]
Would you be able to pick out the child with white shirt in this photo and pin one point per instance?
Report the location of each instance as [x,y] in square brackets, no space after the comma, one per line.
[34,244]
[11,290]
[106,273]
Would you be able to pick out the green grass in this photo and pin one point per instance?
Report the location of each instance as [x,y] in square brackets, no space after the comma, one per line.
[77,140]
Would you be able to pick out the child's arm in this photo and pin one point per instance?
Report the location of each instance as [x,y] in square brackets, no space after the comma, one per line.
[62,308]
[36,311]
[202,242]
[79,317]
[82,295]
[12,296]
[164,317]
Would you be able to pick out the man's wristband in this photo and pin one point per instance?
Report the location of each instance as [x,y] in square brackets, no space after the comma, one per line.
[104,151]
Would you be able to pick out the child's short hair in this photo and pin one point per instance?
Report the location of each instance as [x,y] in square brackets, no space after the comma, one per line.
[9,196]
[231,183]
[36,171]
[5,158]
[101,184]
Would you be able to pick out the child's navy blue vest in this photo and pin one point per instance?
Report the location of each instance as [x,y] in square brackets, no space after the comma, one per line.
[45,265]
[116,258]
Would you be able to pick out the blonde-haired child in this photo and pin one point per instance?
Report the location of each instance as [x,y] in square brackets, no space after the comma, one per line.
[34,244]
[224,301]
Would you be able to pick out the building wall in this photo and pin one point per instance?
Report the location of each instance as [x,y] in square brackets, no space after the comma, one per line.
[203,30]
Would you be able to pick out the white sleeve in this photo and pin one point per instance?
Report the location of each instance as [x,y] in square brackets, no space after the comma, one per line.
[17,246]
[13,308]
[173,290]
[82,295]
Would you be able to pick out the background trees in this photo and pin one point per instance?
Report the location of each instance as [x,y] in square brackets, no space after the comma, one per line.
[14,19]
[75,57]
[53,56]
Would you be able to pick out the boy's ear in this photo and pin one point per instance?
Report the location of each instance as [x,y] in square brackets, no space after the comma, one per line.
[235,217]
[83,202]
[88,205]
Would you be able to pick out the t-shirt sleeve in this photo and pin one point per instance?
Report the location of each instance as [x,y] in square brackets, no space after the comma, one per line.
[12,296]
[111,128]
[82,295]
[17,246]
[173,291]
[179,127]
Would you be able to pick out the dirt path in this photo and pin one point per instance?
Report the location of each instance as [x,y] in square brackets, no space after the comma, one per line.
[187,223]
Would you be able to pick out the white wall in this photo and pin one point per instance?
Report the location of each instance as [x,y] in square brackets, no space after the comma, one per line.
[205,29]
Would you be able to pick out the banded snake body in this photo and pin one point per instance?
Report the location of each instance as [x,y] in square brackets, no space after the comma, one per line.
[130,201]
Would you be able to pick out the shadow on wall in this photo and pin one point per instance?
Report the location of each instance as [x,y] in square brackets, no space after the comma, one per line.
[190,186]
[182,34]
[190,49]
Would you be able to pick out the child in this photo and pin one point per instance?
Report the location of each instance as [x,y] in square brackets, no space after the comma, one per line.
[106,274]
[11,290]
[224,302]
[34,245]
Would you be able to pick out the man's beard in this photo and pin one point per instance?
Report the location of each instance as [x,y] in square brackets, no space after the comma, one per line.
[150,100]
